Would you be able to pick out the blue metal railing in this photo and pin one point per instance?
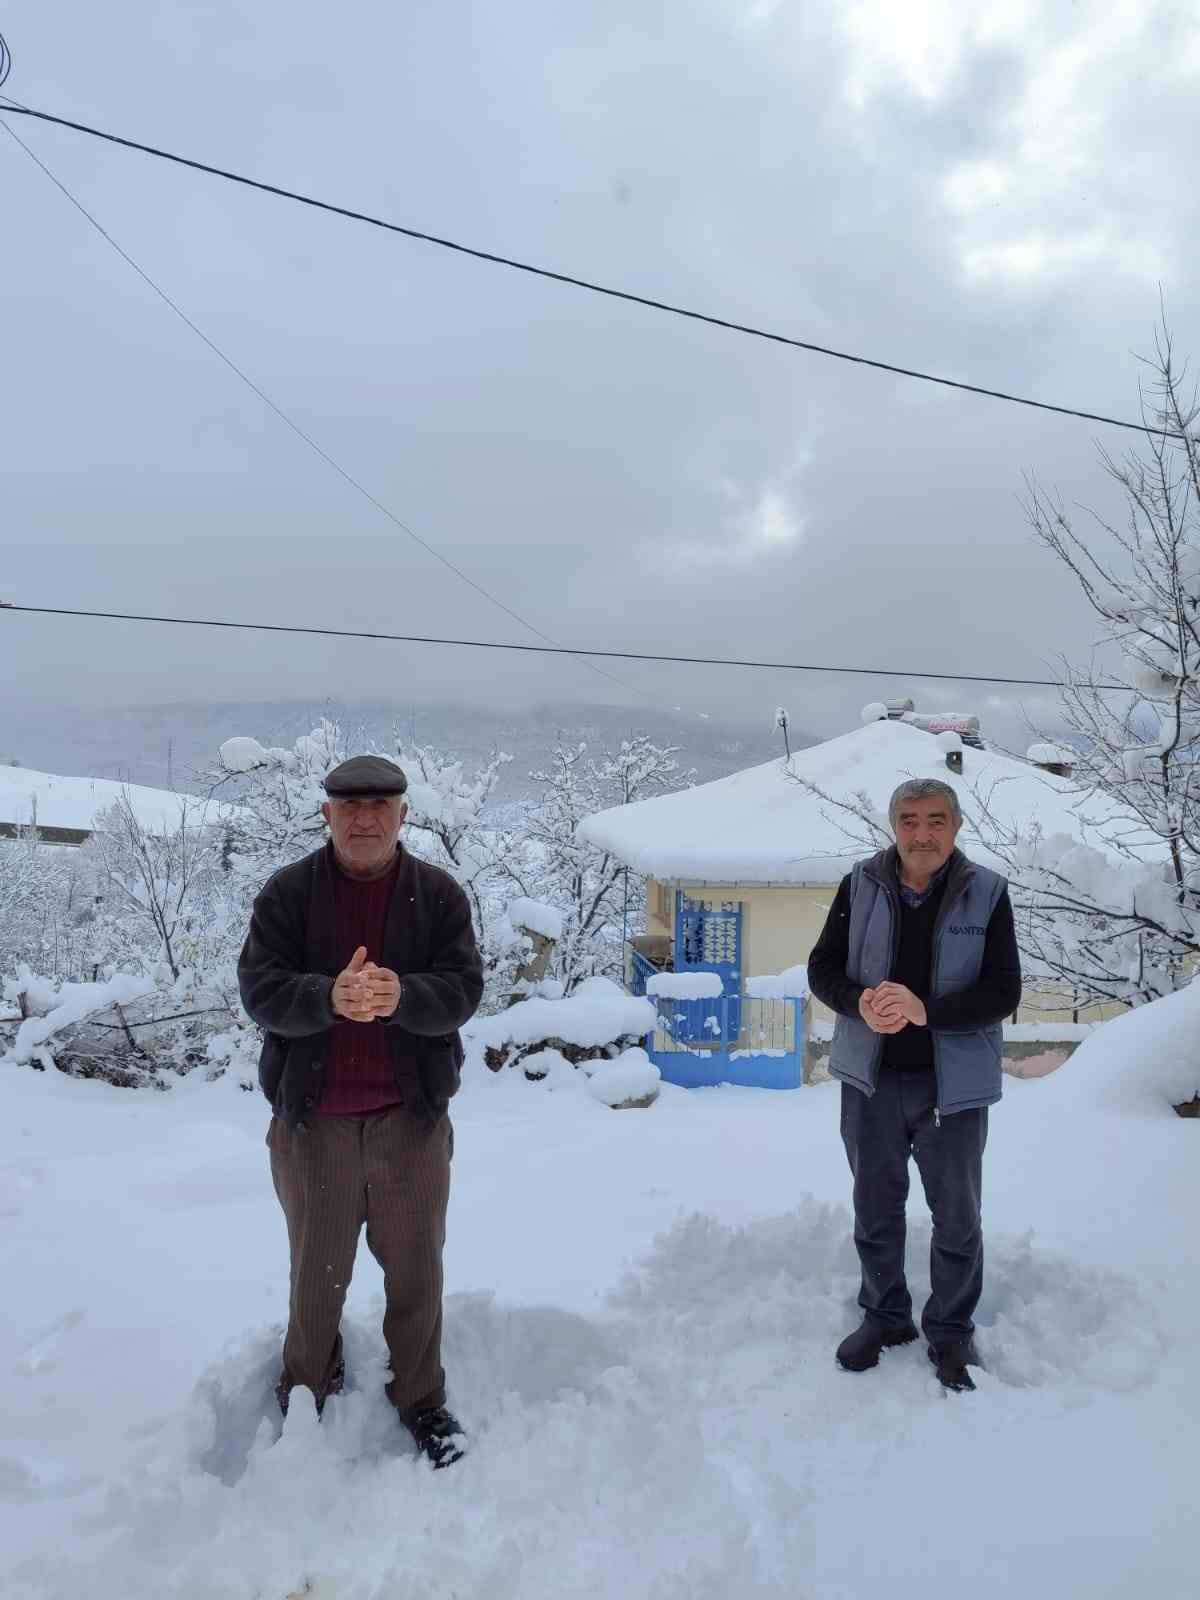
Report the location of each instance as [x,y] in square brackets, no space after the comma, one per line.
[637,970]
[739,1039]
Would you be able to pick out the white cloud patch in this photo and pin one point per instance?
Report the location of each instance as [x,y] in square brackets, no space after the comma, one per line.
[760,520]
[923,46]
[770,522]
[1038,211]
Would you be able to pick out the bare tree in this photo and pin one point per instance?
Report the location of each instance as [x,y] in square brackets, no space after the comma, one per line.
[586,883]
[1112,912]
[156,881]
[1129,918]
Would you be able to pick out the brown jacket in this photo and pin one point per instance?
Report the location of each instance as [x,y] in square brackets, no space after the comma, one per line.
[287,967]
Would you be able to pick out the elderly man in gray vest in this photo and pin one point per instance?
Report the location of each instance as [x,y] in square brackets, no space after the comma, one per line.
[918,958]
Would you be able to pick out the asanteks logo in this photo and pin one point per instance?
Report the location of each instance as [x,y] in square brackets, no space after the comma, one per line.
[966,927]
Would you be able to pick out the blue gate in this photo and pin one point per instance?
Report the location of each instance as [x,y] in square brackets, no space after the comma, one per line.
[708,939]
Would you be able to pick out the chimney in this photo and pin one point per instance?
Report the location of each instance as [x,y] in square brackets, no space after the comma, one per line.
[1052,758]
[951,743]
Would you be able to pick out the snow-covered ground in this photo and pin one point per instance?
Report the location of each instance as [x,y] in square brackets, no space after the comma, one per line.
[642,1312]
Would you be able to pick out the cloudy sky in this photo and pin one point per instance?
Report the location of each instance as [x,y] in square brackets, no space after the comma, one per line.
[991,192]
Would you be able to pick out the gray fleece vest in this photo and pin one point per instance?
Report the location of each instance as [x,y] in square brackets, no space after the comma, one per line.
[967,1063]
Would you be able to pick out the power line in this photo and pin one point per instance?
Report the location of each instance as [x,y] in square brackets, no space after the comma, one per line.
[586,283]
[544,649]
[295,427]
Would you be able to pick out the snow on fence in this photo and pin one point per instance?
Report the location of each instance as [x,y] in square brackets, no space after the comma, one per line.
[684,985]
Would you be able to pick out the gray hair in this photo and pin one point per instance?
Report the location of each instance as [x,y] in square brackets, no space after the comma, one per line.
[924,789]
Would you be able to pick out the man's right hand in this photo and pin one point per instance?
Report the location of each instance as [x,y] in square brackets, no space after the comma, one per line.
[351,996]
[875,1019]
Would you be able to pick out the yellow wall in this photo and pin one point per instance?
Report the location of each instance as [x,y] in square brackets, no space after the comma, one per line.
[781,925]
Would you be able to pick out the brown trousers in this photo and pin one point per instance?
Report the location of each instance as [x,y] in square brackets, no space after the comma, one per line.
[390,1170]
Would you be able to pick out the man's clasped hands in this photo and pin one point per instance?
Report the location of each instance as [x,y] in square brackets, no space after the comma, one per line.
[891,1007]
[362,991]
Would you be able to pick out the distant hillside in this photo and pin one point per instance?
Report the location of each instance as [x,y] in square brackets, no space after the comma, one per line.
[165,746]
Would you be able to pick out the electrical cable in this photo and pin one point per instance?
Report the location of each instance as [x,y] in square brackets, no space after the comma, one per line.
[295,427]
[584,283]
[551,650]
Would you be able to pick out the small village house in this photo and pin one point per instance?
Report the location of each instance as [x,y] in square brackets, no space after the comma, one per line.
[738,874]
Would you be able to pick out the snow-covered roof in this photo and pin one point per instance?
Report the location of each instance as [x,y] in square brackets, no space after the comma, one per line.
[760,826]
[74,802]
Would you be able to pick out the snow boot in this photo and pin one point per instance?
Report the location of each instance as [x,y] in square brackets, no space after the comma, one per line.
[952,1361]
[861,1349]
[438,1434]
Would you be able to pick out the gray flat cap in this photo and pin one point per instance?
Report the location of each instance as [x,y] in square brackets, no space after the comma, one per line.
[365,775]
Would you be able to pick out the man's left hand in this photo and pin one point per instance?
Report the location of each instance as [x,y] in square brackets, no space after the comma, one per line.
[384,989]
[893,999]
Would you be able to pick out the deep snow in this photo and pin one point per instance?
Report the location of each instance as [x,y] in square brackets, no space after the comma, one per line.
[642,1310]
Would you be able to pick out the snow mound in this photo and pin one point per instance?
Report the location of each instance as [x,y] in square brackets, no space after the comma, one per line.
[632,1076]
[536,917]
[550,1067]
[598,1012]
[685,985]
[1148,1060]
[243,754]
[791,982]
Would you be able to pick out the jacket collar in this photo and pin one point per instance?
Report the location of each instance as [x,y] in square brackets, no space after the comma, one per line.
[884,868]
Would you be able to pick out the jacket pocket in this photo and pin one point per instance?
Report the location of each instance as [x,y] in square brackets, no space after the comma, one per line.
[440,1061]
[271,1062]
[969,1067]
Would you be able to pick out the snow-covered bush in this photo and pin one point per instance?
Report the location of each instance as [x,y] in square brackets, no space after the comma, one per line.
[127,1028]
[597,1021]
[588,885]
[277,792]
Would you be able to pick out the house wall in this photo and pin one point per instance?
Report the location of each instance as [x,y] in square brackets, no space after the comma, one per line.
[781,925]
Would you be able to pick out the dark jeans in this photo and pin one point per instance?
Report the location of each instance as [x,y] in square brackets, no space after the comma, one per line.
[880,1133]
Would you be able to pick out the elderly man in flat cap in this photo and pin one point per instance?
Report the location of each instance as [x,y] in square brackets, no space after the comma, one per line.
[360,966]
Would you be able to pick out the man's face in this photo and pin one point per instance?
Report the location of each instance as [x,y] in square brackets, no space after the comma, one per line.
[925,834]
[365,829]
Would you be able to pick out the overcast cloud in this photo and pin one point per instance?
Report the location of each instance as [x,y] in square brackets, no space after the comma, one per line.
[991,192]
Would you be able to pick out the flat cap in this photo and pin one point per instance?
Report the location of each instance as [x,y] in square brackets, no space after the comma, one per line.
[365,775]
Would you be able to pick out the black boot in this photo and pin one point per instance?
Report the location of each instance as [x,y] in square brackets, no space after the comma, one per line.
[952,1361]
[438,1433]
[861,1349]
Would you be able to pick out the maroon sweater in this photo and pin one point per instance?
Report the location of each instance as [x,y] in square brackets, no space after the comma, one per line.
[360,1077]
